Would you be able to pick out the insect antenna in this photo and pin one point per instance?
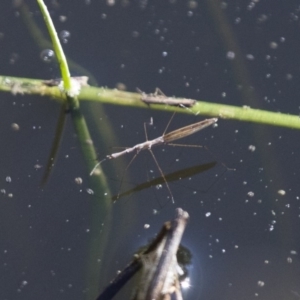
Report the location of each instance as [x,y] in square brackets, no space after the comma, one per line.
[97,165]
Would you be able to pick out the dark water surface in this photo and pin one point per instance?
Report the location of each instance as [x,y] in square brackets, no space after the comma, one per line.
[244,225]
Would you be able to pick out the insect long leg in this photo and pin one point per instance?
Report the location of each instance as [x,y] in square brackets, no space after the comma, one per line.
[145,129]
[159,92]
[199,146]
[131,161]
[162,174]
[169,123]
[186,145]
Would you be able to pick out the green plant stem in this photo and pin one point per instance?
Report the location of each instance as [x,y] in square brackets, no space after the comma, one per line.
[201,107]
[116,97]
[61,58]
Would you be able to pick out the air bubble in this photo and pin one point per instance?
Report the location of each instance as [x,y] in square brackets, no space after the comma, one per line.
[15,127]
[64,35]
[47,55]
[90,191]
[78,180]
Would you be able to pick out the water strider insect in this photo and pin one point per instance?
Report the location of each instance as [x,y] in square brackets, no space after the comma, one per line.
[158,97]
[166,138]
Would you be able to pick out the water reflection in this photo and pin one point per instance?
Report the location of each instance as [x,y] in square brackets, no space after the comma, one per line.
[175,176]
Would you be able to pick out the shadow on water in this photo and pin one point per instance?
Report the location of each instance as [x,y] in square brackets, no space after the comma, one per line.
[175,176]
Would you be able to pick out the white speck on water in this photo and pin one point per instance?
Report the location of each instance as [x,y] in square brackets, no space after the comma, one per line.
[273,45]
[250,56]
[250,194]
[90,191]
[15,127]
[24,283]
[64,36]
[289,76]
[158,186]
[135,34]
[237,20]
[230,55]
[62,19]
[260,283]
[208,214]
[281,192]
[78,180]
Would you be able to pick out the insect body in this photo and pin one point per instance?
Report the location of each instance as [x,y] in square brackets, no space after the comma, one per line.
[167,138]
[160,98]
